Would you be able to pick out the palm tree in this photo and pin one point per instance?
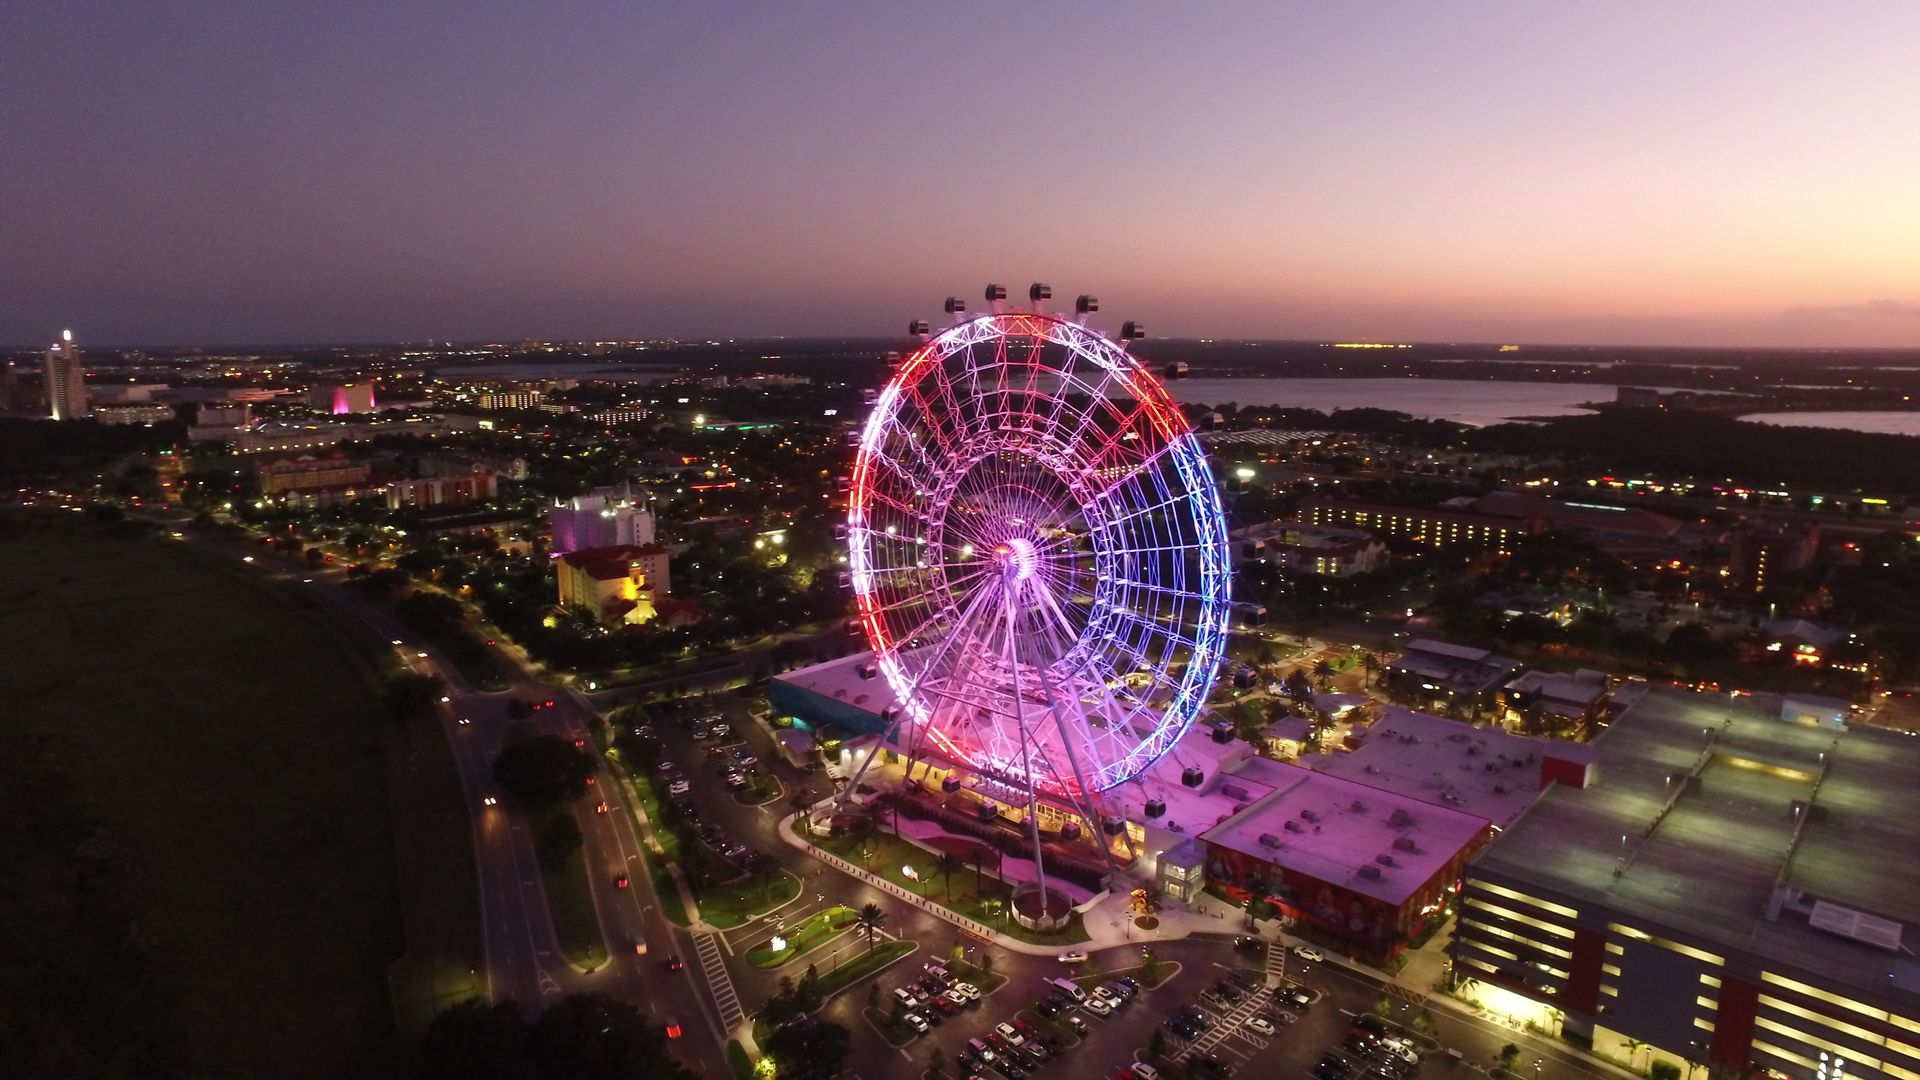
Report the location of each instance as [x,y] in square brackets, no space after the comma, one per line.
[945,865]
[870,919]
[802,803]
[1323,672]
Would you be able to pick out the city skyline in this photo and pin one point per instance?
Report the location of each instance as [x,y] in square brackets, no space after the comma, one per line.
[1634,176]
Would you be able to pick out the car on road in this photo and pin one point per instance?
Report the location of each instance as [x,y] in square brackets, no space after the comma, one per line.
[1295,996]
[1261,1024]
[715,753]
[600,808]
[489,800]
[679,787]
[1007,1032]
[1248,944]
[674,1030]
[1311,956]
[916,1022]
[464,721]
[674,963]
[1074,957]
[619,881]
[1097,1006]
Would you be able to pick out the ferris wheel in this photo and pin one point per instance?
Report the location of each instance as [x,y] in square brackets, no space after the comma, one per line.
[1037,553]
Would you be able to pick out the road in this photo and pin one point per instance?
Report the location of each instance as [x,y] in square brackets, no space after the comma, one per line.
[523,959]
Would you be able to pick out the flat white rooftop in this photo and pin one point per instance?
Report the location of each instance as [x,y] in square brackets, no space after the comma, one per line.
[1376,843]
[1482,771]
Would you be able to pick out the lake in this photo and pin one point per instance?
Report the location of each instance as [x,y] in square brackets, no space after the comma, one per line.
[1466,401]
[1884,423]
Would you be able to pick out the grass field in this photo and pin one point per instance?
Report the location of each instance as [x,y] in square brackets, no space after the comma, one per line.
[983,903]
[195,805]
[570,901]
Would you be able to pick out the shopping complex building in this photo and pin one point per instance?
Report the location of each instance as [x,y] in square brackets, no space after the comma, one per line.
[1737,891]
[1362,850]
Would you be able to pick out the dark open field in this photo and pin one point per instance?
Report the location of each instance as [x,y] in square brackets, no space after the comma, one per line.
[196,822]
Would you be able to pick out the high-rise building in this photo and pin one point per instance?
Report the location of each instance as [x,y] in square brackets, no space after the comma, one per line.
[606,517]
[66,379]
[9,389]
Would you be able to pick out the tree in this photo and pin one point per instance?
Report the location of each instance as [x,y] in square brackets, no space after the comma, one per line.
[812,1051]
[596,1037]
[1664,1070]
[543,771]
[559,839]
[1508,1054]
[1322,673]
[945,865]
[411,697]
[936,1064]
[476,1041]
[1157,1043]
[871,917]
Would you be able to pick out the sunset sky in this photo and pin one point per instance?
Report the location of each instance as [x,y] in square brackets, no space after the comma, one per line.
[1544,171]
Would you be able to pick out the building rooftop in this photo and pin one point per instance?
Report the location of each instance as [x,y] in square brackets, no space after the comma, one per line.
[607,563]
[840,680]
[1694,822]
[1553,686]
[1337,831]
[1483,771]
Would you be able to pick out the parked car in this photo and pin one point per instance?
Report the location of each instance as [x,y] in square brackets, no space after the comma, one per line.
[1074,957]
[1261,1024]
[916,1022]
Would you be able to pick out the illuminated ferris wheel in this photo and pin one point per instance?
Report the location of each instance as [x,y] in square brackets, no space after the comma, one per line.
[1038,553]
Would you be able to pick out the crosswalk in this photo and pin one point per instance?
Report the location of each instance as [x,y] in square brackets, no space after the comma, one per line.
[714,967]
[1230,1025]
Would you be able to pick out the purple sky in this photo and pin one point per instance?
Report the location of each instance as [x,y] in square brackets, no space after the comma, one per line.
[1549,171]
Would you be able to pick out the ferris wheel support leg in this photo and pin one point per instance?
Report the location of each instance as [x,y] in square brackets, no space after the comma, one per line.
[1088,802]
[1026,756]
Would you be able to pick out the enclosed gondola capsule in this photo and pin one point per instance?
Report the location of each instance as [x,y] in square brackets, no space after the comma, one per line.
[1175,370]
[1039,291]
[996,293]
[1132,331]
[1087,304]
[919,328]
[955,305]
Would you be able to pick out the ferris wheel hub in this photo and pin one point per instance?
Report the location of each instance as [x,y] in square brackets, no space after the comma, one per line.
[1017,559]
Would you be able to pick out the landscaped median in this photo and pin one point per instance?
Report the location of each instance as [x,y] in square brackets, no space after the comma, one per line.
[570,902]
[798,940]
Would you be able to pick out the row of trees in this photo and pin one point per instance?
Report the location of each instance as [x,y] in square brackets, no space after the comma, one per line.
[580,1037]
